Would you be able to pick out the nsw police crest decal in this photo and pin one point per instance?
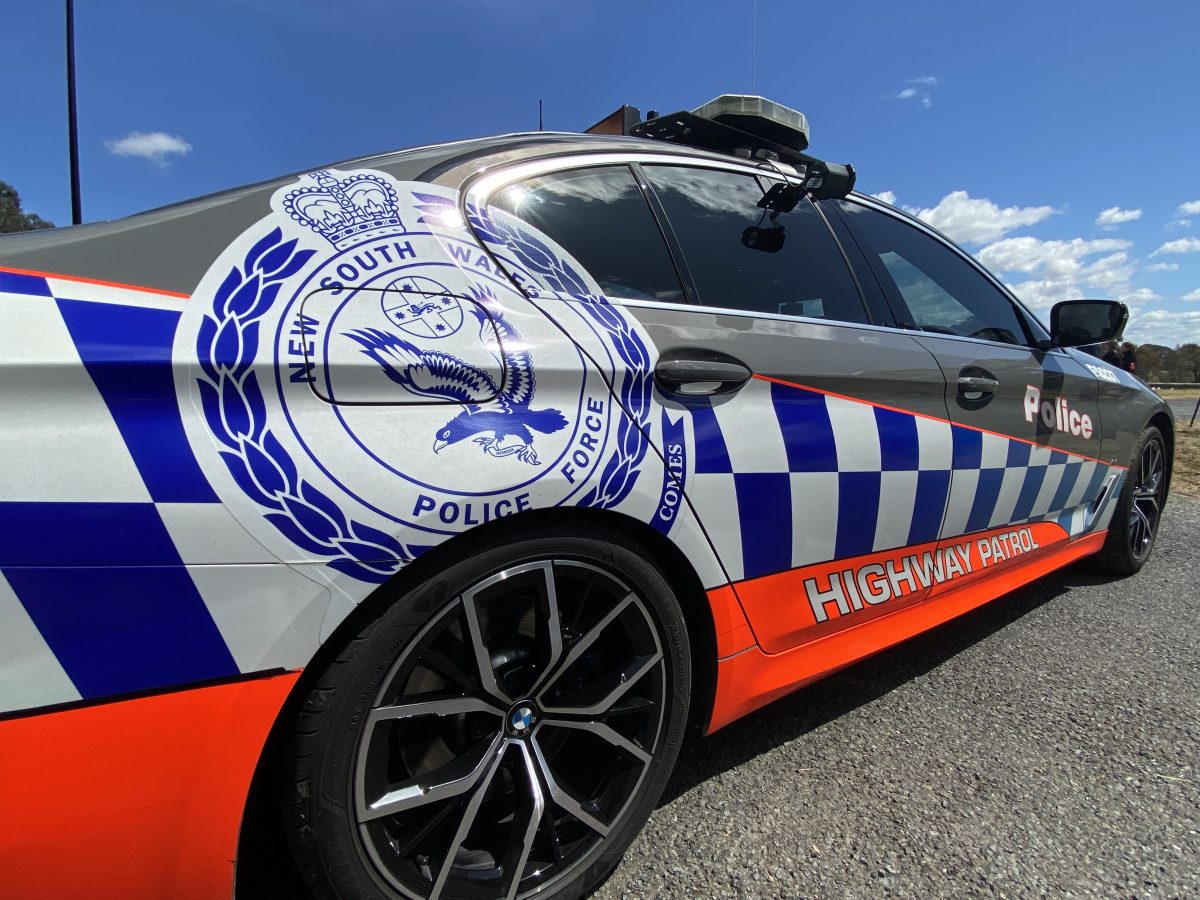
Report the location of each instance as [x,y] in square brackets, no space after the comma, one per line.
[364,381]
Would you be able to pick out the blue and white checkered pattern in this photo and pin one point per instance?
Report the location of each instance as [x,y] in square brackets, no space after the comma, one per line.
[119,568]
[787,477]
[121,571]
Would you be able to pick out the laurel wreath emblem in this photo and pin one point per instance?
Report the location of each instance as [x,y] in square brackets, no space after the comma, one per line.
[236,415]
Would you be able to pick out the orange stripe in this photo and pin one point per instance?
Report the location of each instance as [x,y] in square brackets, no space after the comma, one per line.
[732,629]
[921,415]
[783,616]
[82,280]
[133,799]
[753,679]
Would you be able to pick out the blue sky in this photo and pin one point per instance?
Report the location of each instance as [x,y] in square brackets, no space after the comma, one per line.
[1013,126]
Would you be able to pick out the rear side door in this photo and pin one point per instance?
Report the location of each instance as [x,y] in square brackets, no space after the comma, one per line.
[1029,443]
[813,436]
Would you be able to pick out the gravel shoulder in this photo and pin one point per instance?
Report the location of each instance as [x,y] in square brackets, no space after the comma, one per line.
[1185,478]
[1048,743]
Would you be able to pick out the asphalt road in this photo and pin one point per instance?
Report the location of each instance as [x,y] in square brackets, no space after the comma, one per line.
[1047,744]
[1183,410]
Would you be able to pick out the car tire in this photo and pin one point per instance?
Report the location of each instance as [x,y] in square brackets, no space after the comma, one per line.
[414,772]
[1134,524]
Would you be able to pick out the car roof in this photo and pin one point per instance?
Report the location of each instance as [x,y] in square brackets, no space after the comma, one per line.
[167,247]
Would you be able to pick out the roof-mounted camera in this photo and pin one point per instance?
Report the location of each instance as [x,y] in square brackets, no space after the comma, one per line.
[748,127]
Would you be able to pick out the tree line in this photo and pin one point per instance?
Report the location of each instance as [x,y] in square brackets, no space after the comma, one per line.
[1158,363]
[12,217]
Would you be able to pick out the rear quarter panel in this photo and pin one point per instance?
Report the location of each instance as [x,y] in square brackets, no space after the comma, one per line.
[179,505]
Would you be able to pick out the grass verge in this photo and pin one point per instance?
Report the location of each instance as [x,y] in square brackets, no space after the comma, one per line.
[1186,477]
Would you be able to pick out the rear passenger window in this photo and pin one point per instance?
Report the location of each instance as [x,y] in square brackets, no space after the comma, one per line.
[599,217]
[740,257]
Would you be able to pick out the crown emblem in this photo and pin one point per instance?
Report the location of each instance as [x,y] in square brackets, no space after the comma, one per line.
[345,210]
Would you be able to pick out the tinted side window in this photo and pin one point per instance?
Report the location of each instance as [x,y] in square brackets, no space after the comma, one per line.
[600,217]
[943,292]
[740,258]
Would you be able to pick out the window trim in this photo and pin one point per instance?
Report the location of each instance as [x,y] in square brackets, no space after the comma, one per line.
[1025,318]
[667,230]
[873,294]
[682,275]
[478,189]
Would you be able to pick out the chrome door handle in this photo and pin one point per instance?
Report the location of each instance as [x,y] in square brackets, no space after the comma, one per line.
[700,377]
[975,384]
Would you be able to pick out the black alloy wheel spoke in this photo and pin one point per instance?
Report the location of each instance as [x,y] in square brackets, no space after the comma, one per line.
[605,733]
[567,800]
[456,778]
[1146,502]
[519,850]
[468,820]
[512,734]
[443,665]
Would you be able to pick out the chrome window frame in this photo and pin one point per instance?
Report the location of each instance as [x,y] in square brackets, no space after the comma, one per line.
[478,188]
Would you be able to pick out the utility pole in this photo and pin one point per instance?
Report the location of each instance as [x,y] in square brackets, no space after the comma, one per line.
[72,127]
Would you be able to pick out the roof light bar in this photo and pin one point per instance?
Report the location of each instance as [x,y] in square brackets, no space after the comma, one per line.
[758,116]
[752,127]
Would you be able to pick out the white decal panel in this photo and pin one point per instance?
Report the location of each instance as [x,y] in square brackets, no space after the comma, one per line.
[360,381]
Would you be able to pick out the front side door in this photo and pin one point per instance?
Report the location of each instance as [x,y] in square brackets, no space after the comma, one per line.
[1028,449]
[811,442]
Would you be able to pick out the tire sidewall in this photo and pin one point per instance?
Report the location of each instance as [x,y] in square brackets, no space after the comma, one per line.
[323,765]
[1117,554]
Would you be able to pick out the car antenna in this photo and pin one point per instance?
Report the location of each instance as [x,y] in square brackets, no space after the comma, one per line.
[540,128]
[72,118]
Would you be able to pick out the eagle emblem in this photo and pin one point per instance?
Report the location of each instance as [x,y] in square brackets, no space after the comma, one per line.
[505,426]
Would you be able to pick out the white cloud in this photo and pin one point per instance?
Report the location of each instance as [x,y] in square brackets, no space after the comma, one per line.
[1182,211]
[1045,272]
[1110,218]
[922,93]
[155,146]
[1067,270]
[1055,258]
[1183,245]
[1137,297]
[978,220]
[1192,295]
[1161,326]
[1040,295]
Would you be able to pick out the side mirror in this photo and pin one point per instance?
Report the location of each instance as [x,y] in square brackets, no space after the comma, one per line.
[1077,323]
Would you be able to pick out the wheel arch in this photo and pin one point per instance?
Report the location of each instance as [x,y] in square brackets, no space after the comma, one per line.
[1166,425]
[260,849]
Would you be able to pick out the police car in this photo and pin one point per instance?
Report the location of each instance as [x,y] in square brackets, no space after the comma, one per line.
[407,511]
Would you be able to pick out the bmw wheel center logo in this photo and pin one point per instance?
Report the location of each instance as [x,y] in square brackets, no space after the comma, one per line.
[521,720]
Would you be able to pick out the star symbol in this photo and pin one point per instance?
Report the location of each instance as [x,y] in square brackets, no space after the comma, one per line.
[441,327]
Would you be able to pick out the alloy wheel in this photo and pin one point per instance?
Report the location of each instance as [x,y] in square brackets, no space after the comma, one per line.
[512,734]
[1146,502]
